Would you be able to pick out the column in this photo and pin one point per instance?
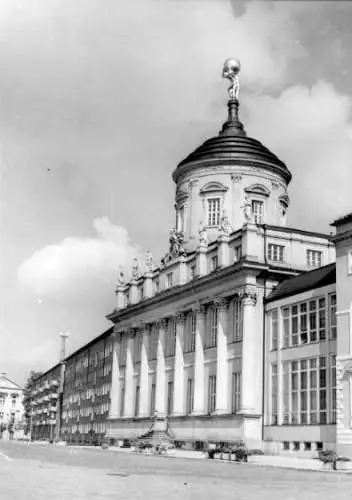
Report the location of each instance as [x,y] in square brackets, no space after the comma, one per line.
[249,401]
[198,400]
[160,399]
[179,366]
[115,391]
[223,250]
[120,297]
[144,374]
[222,364]
[129,396]
[201,260]
[280,374]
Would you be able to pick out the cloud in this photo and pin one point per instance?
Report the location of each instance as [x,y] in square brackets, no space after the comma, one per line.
[76,262]
[311,130]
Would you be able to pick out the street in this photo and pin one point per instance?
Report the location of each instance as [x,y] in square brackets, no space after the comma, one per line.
[32,471]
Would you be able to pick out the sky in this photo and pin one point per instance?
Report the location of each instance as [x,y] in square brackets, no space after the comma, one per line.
[99,102]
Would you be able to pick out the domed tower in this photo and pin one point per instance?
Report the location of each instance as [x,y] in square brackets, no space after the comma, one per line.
[230,180]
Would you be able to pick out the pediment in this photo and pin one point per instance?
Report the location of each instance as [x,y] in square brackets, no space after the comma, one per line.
[258,189]
[212,187]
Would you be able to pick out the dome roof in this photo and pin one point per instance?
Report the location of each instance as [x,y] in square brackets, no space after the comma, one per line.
[232,146]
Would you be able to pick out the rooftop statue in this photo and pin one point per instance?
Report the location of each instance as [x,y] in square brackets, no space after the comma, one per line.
[203,235]
[230,71]
[121,277]
[136,273]
[149,262]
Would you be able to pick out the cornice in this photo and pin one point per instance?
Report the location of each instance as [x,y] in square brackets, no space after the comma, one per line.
[172,294]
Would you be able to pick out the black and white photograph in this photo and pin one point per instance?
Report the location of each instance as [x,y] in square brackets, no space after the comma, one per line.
[175,249]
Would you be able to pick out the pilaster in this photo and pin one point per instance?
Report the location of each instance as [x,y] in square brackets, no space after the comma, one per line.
[182,271]
[160,400]
[249,403]
[178,406]
[120,297]
[134,292]
[202,265]
[144,373]
[199,400]
[222,364]
[148,285]
[223,250]
[129,396]
[115,391]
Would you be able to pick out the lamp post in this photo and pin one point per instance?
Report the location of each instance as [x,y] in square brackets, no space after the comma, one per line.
[63,337]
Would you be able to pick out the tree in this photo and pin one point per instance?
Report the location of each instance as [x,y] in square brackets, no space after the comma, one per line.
[27,399]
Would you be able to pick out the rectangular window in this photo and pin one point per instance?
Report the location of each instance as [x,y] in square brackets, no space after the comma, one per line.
[212,320]
[141,292]
[213,212]
[274,395]
[257,211]
[157,285]
[192,272]
[190,332]
[313,258]
[333,389]
[123,350]
[332,317]
[180,219]
[170,397]
[274,328]
[122,402]
[153,346]
[236,391]
[136,402]
[170,345]
[169,280]
[276,252]
[212,393]
[237,321]
[305,391]
[237,253]
[152,400]
[137,347]
[214,263]
[190,395]
[305,322]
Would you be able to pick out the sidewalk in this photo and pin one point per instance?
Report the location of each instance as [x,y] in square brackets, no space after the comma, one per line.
[276,461]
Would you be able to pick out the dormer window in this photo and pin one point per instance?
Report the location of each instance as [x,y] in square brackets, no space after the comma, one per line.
[213,212]
[258,211]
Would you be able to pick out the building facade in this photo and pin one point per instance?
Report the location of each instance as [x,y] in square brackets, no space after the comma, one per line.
[189,334]
[11,408]
[86,396]
[242,331]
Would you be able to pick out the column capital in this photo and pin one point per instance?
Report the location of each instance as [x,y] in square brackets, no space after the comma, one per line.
[147,327]
[248,296]
[180,317]
[162,324]
[221,303]
[130,333]
[199,308]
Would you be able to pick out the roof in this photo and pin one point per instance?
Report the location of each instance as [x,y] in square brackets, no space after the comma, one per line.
[233,144]
[322,276]
[342,220]
[8,384]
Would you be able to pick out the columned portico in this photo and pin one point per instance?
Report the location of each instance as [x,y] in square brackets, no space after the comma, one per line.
[199,397]
[128,406]
[144,373]
[222,363]
[249,401]
[179,366]
[115,378]
[160,400]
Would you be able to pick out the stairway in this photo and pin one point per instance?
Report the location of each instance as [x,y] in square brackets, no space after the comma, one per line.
[159,434]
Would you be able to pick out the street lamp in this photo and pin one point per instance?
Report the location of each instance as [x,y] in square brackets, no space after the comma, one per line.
[63,337]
